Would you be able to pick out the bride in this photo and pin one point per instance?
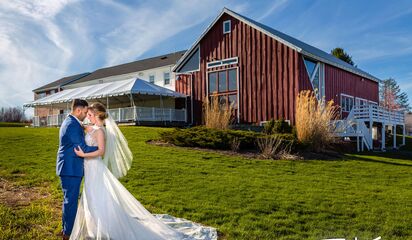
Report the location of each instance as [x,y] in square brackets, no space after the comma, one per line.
[106,209]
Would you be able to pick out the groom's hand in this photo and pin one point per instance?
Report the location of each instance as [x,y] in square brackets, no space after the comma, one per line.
[79,152]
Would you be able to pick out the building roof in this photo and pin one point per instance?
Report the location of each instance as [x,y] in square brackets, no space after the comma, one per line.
[289,41]
[103,90]
[136,66]
[60,82]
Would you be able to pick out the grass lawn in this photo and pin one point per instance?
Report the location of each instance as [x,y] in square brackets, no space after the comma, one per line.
[364,195]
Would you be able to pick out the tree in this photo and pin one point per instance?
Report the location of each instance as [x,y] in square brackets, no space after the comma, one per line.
[342,55]
[391,96]
[12,114]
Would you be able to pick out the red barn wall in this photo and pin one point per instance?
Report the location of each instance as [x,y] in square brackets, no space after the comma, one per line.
[339,81]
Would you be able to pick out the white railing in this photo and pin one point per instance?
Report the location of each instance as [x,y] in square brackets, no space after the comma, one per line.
[129,114]
[377,114]
[151,114]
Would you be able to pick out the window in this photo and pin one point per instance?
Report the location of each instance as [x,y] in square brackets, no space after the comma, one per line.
[221,63]
[192,64]
[41,95]
[232,80]
[222,81]
[166,77]
[151,78]
[347,103]
[316,74]
[226,27]
[223,84]
[310,66]
[212,82]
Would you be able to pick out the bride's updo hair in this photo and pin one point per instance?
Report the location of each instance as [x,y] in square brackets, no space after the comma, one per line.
[99,110]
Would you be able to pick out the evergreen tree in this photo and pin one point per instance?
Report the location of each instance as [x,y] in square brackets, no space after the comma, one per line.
[342,55]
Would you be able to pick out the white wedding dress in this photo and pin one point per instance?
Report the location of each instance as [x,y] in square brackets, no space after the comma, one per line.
[108,211]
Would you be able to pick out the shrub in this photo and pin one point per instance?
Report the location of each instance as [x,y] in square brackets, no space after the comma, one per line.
[12,124]
[203,137]
[277,126]
[216,115]
[313,117]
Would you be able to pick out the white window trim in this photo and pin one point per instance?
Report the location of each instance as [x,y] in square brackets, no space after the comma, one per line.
[221,62]
[230,26]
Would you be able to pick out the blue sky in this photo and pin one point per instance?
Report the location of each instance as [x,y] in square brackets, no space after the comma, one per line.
[43,40]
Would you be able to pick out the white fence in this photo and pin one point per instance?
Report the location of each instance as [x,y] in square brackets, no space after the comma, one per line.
[129,114]
[56,119]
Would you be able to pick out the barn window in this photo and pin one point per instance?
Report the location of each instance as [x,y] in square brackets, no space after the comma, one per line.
[316,74]
[232,80]
[212,82]
[193,62]
[226,27]
[223,84]
[346,103]
[221,63]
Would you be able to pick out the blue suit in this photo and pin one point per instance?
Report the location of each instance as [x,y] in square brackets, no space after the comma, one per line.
[70,168]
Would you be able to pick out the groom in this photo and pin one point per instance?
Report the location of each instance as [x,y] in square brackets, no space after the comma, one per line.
[69,166]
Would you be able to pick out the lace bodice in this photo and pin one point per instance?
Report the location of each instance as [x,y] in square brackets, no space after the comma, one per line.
[90,139]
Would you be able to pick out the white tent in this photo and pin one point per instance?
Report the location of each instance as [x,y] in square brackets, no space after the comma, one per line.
[104,90]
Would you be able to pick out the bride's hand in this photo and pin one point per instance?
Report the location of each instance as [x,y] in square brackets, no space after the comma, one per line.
[79,152]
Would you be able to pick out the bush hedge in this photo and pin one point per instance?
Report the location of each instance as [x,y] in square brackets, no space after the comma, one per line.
[11,124]
[216,139]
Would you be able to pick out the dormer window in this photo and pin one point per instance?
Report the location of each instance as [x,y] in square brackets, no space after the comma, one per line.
[226,27]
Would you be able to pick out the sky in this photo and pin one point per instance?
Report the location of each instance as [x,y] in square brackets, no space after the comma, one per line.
[44,40]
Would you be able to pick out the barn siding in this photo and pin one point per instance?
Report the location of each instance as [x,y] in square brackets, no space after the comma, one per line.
[339,81]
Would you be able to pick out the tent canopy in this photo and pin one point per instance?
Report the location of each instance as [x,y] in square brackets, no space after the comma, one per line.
[109,89]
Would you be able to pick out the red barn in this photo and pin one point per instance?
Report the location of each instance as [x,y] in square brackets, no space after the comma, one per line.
[262,70]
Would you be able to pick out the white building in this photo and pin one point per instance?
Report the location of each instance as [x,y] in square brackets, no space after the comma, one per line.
[141,92]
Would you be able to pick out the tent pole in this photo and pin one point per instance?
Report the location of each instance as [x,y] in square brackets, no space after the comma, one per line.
[133,106]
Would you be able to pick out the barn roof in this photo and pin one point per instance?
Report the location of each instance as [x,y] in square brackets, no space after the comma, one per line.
[289,41]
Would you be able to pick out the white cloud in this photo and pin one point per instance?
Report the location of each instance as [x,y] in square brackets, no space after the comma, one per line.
[148,26]
[276,6]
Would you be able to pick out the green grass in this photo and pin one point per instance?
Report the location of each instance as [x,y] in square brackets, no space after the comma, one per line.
[363,195]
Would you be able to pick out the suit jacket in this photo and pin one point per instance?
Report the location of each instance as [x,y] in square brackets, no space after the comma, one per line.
[71,135]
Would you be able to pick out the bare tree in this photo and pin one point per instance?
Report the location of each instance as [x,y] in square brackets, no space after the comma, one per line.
[12,114]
